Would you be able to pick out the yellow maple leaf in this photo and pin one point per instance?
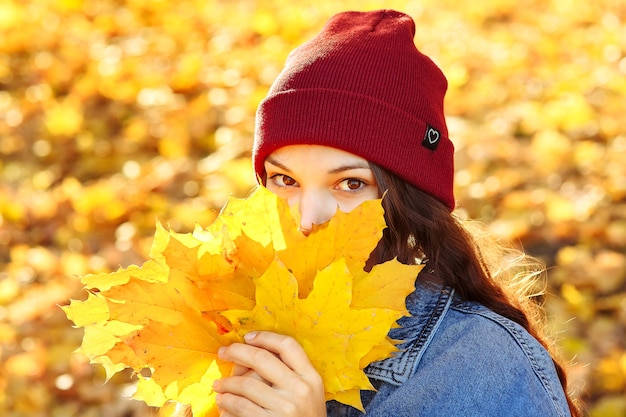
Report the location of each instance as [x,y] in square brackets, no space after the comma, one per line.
[334,335]
[352,236]
[249,270]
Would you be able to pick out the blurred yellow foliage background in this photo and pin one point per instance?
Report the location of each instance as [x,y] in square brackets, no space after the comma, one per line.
[114,114]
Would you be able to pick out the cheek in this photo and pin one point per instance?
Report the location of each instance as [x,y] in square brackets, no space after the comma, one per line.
[348,204]
[286,193]
[279,191]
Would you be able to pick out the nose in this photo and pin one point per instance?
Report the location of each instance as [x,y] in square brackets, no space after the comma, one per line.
[316,207]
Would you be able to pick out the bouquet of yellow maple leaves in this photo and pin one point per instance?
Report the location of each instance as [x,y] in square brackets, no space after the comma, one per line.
[249,270]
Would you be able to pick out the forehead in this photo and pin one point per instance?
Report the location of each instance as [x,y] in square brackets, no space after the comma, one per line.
[316,154]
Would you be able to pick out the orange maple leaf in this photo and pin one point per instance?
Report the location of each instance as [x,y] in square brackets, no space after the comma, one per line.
[249,270]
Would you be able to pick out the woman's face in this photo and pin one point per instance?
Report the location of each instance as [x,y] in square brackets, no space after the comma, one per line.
[319,179]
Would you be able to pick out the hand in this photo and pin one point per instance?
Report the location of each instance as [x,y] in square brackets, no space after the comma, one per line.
[272,377]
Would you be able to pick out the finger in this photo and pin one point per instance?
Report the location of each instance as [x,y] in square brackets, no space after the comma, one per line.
[239,370]
[227,414]
[265,364]
[287,348]
[305,382]
[230,405]
[289,393]
[237,394]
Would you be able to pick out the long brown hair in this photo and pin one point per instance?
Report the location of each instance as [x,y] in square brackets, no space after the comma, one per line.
[421,229]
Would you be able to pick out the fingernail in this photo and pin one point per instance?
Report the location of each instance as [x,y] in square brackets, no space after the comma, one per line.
[248,337]
[220,351]
[218,398]
[216,385]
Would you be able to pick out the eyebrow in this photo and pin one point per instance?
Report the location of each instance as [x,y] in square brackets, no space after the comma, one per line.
[276,163]
[342,168]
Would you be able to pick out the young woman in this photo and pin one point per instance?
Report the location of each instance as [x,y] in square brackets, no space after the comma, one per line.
[358,112]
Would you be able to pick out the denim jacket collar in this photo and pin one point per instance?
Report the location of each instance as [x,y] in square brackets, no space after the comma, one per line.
[427,305]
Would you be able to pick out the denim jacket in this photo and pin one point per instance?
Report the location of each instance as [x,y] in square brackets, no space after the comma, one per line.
[459,358]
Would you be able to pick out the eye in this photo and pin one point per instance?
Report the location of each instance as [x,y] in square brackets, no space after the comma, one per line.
[282,180]
[351,184]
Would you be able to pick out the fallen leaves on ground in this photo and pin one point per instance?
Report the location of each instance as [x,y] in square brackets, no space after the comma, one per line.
[113,114]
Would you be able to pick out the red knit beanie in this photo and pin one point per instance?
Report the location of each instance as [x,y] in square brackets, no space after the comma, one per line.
[362,86]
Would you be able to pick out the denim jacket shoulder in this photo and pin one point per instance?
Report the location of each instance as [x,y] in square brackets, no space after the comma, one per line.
[460,358]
